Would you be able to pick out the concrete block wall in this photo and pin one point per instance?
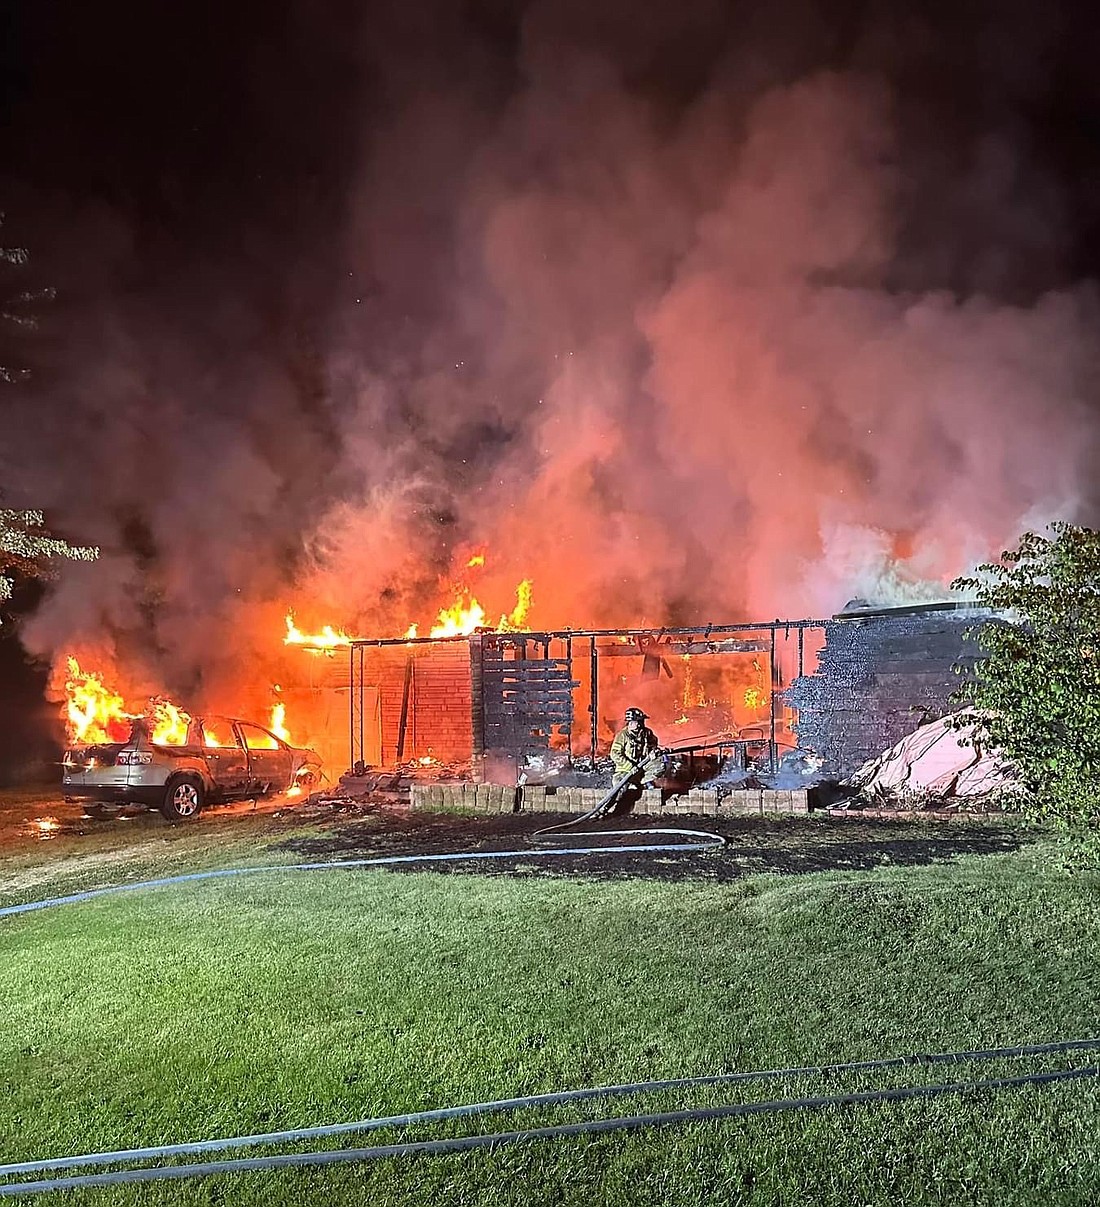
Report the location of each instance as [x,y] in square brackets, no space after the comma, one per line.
[478,798]
[878,678]
[699,802]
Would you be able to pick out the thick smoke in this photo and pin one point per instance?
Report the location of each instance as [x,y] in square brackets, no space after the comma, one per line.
[684,322]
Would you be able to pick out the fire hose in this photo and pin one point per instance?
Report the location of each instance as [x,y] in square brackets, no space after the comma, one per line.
[148,1173]
[708,841]
[14,1189]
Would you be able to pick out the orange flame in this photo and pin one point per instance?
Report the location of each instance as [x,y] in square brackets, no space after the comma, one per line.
[93,713]
[516,620]
[170,723]
[327,639]
[462,617]
[96,713]
[278,722]
[466,615]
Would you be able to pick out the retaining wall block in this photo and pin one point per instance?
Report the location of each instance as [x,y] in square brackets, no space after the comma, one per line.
[533,798]
[744,801]
[649,801]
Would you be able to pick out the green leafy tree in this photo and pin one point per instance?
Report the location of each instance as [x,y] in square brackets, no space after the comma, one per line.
[1039,687]
[27,549]
[17,310]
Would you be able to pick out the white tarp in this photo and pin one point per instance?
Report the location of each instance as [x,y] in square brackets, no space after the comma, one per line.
[948,758]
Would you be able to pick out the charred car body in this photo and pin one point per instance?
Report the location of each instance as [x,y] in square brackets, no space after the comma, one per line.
[222,758]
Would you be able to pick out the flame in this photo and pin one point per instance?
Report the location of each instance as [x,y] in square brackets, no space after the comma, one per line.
[93,712]
[169,722]
[278,722]
[477,560]
[208,738]
[754,697]
[516,620]
[462,617]
[327,639]
[96,713]
[410,632]
[466,615]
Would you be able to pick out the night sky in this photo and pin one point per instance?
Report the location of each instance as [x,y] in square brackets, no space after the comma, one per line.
[693,311]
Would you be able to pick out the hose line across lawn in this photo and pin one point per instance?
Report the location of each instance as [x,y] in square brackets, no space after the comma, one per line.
[499,1139]
[704,841]
[699,841]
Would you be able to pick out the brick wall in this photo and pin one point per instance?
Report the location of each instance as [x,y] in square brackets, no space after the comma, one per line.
[438,720]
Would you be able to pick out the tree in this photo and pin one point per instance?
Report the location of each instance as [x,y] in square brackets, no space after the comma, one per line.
[26,547]
[17,309]
[1039,687]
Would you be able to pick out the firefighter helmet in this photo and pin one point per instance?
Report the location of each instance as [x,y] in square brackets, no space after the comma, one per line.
[635,714]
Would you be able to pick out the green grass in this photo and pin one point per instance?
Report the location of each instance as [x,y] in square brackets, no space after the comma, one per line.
[283,1000]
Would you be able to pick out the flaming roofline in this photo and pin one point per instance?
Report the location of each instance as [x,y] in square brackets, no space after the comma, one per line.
[658,631]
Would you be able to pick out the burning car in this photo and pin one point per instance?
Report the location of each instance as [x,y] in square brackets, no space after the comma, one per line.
[219,759]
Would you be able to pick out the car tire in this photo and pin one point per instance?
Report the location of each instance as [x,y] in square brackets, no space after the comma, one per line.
[184,797]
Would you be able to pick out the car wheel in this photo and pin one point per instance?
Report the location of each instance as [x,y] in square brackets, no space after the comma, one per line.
[184,798]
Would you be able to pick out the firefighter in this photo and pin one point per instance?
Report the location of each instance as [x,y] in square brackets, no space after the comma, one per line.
[636,744]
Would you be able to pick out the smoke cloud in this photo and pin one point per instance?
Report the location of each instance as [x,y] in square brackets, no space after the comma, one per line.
[686,319]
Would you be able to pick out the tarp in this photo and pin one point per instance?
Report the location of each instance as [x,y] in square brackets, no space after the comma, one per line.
[945,759]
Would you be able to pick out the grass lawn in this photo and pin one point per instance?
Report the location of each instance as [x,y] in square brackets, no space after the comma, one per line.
[282,1000]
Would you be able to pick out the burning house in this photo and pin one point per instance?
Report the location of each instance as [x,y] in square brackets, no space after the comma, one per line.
[508,704]
[520,703]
